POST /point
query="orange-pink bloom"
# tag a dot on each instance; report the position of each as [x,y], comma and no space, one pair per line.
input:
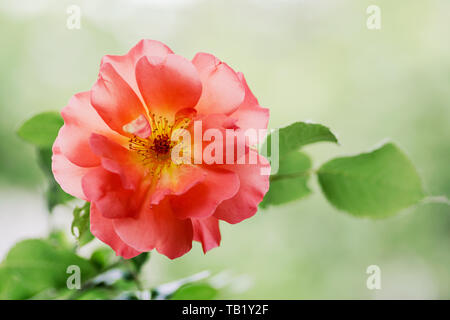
[114,151]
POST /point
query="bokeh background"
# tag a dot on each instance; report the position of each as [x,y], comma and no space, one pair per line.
[305,60]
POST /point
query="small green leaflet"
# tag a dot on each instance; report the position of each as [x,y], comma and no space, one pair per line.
[81,222]
[290,182]
[42,129]
[54,194]
[299,134]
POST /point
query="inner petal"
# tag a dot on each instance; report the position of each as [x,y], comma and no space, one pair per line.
[139,127]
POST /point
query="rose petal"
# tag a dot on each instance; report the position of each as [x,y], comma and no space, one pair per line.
[207,232]
[139,127]
[202,200]
[157,227]
[175,181]
[117,159]
[250,115]
[106,148]
[67,174]
[80,120]
[105,190]
[115,101]
[168,84]
[102,228]
[222,91]
[125,65]
[233,140]
[253,187]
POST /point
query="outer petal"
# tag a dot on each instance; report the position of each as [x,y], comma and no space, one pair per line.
[67,174]
[157,227]
[103,229]
[105,190]
[250,115]
[253,188]
[202,200]
[125,65]
[114,100]
[222,92]
[168,84]
[80,120]
[249,99]
[207,232]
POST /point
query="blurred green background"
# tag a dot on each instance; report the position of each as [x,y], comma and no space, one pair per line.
[305,60]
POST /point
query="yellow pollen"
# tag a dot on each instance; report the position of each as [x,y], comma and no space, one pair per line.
[155,150]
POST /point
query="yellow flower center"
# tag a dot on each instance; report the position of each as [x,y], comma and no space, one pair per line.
[155,150]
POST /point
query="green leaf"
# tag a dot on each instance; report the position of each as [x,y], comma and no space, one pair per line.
[11,287]
[299,134]
[290,182]
[81,222]
[34,265]
[44,156]
[54,194]
[42,129]
[195,291]
[374,184]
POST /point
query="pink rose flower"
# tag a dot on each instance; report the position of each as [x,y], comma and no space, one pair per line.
[115,148]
